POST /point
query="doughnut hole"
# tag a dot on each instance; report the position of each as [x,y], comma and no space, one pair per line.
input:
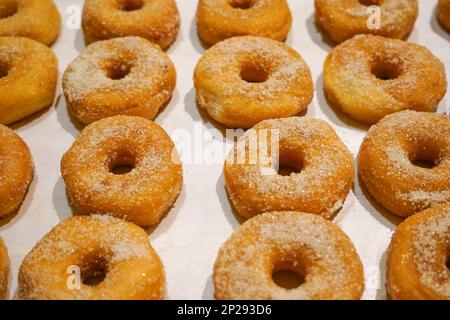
[117,70]
[383,69]
[130,5]
[94,269]
[289,163]
[122,162]
[242,4]
[425,156]
[368,3]
[8,9]
[253,72]
[4,69]
[288,275]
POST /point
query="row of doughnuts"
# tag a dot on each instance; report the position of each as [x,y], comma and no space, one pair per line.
[217,20]
[326,165]
[83,247]
[367,77]
[118,156]
[359,89]
[327,263]
[404,164]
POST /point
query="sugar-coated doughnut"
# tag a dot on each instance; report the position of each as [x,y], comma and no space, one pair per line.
[156,20]
[142,195]
[4,270]
[63,265]
[244,80]
[218,20]
[369,77]
[314,248]
[28,76]
[343,19]
[122,76]
[16,170]
[443,13]
[35,19]
[418,258]
[404,161]
[308,145]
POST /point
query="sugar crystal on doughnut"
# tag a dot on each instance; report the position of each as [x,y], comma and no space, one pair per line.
[131,268]
[119,76]
[387,161]
[426,245]
[321,158]
[306,243]
[418,257]
[244,80]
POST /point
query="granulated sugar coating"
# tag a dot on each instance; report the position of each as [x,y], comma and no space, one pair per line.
[343,19]
[155,20]
[369,77]
[38,20]
[16,170]
[218,20]
[388,161]
[304,243]
[312,147]
[142,195]
[128,76]
[244,80]
[28,77]
[419,256]
[93,245]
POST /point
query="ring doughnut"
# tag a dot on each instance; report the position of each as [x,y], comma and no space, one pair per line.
[315,249]
[307,145]
[443,13]
[244,80]
[16,170]
[64,264]
[34,19]
[343,19]
[4,270]
[404,161]
[143,192]
[369,77]
[218,20]
[28,75]
[129,76]
[155,20]
[418,258]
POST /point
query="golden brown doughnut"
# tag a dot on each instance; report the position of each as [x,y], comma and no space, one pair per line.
[418,259]
[443,13]
[218,20]
[314,248]
[62,265]
[308,145]
[404,161]
[28,75]
[128,76]
[35,19]
[343,19]
[369,77]
[16,170]
[156,20]
[142,195]
[4,270]
[244,80]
